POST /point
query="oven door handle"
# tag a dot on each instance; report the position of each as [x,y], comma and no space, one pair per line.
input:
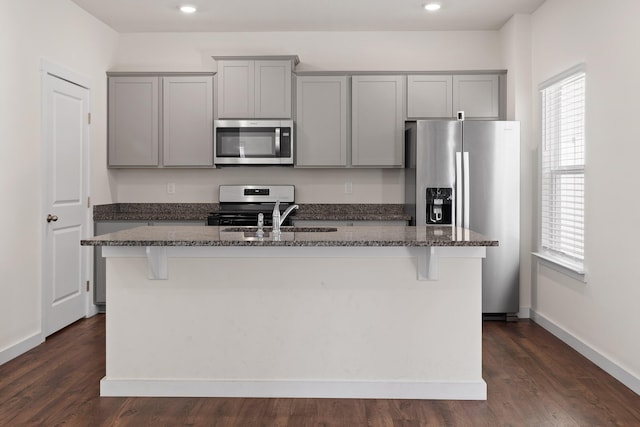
[277,142]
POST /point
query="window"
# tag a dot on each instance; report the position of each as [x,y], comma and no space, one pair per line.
[562,170]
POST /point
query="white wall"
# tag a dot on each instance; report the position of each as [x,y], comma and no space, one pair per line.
[312,186]
[601,315]
[63,34]
[359,51]
[363,51]
[516,53]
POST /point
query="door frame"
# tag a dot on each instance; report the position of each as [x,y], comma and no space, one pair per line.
[48,68]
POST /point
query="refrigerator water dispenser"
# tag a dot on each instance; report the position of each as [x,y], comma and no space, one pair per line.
[439,207]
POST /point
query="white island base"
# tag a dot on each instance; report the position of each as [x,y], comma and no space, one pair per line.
[334,322]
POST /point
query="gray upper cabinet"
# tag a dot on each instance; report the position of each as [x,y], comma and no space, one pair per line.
[441,96]
[236,93]
[160,121]
[377,120]
[187,120]
[273,89]
[429,96]
[133,121]
[321,120]
[477,95]
[254,89]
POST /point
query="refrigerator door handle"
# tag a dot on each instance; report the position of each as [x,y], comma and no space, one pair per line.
[458,195]
[467,190]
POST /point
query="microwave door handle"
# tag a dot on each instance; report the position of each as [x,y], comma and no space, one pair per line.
[277,142]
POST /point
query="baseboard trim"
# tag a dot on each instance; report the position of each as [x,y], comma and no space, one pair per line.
[603,362]
[524,313]
[295,389]
[22,347]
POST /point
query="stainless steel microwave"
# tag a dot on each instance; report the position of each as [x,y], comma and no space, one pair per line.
[253,142]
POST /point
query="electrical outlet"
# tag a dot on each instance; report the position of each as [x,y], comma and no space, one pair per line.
[171,188]
[348,187]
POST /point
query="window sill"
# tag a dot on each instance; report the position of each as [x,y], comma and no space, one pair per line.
[562,266]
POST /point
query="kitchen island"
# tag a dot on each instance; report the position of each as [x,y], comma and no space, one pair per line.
[362,312]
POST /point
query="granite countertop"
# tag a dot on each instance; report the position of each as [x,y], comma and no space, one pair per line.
[351,212]
[199,211]
[154,211]
[424,236]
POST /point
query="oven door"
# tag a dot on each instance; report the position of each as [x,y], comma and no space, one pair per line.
[238,221]
[244,142]
[243,220]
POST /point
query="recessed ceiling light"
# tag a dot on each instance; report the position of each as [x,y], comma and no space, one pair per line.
[187,9]
[432,7]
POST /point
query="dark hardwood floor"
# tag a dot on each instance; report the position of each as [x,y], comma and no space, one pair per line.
[533,380]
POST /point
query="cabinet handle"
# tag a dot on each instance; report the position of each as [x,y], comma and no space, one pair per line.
[51,218]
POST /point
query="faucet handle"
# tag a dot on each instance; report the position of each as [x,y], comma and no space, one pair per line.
[260,231]
[275,217]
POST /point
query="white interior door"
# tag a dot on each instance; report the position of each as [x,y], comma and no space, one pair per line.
[65,115]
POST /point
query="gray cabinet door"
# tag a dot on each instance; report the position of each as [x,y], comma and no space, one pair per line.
[321,119]
[254,89]
[477,95]
[377,121]
[236,89]
[429,96]
[133,129]
[187,121]
[272,89]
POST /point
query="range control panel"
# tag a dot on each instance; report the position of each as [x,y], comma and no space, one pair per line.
[256,193]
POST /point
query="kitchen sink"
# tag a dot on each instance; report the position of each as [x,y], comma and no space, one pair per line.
[268,230]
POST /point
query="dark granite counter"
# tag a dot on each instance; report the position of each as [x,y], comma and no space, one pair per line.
[351,212]
[292,236]
[153,211]
[199,211]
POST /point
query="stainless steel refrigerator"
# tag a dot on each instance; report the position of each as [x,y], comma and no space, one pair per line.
[467,174]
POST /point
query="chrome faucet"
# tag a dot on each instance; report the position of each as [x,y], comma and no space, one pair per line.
[260,231]
[279,219]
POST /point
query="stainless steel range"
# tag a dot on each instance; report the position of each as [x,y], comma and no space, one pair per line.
[241,204]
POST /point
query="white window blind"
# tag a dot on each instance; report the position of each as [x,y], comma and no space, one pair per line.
[562,170]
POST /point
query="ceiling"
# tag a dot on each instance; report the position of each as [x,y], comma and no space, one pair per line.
[304,15]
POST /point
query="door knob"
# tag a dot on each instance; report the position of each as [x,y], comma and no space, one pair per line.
[51,218]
